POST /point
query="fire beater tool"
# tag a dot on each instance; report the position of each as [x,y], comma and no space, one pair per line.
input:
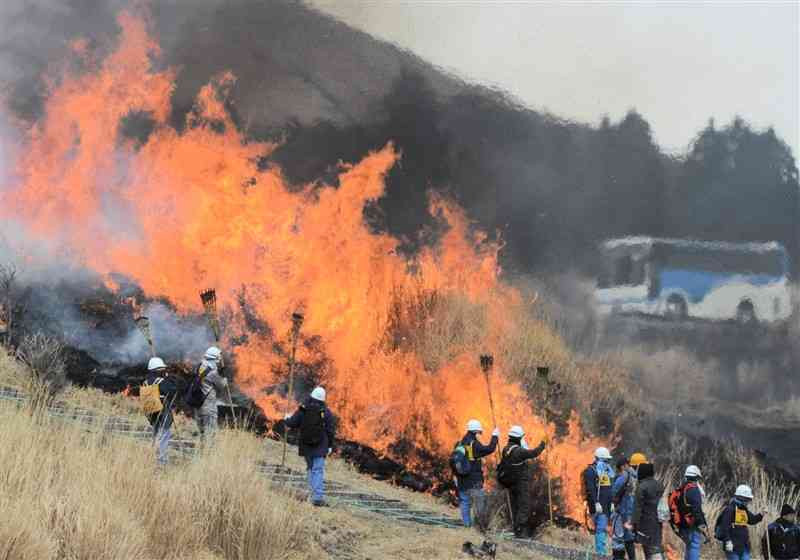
[143,324]
[209,300]
[297,322]
[544,373]
[487,363]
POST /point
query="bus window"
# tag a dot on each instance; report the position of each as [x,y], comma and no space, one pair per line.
[629,271]
[624,268]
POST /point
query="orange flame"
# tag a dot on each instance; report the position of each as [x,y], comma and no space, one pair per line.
[191,209]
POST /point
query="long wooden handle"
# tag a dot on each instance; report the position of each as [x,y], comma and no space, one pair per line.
[546,473]
[295,332]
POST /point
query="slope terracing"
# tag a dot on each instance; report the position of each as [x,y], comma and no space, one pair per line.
[343,492]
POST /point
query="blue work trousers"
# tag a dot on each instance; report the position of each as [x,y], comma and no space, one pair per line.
[693,539]
[315,467]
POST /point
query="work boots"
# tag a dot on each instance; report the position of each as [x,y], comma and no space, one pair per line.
[523,532]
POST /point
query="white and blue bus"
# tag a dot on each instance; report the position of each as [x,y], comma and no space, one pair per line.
[680,279]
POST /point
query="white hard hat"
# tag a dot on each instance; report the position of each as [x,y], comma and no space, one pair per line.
[744,491]
[213,353]
[156,363]
[474,426]
[693,471]
[318,394]
[602,453]
[516,431]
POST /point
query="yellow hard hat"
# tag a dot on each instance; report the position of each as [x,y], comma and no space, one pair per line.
[637,459]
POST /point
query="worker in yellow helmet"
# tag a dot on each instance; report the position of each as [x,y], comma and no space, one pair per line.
[638,459]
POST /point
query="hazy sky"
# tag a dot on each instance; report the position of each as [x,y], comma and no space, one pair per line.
[677,63]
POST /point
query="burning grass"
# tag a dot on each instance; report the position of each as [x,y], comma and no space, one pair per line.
[68,493]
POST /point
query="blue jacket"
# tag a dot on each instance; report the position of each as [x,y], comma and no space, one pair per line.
[734,523]
[598,480]
[329,432]
[623,492]
[474,479]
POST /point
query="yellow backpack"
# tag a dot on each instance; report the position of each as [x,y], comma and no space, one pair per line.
[150,398]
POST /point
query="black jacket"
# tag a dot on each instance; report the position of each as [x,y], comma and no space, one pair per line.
[474,479]
[784,541]
[517,457]
[314,406]
[734,525]
[168,390]
[649,492]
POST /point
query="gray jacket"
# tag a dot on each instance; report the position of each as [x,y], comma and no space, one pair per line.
[213,387]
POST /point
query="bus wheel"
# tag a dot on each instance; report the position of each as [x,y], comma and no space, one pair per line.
[677,309]
[746,313]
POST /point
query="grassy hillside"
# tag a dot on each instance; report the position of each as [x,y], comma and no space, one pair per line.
[69,493]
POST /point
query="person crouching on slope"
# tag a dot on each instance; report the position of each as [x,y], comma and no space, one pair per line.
[317,432]
[598,478]
[470,485]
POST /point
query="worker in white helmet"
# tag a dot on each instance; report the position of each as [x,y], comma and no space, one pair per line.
[513,473]
[212,384]
[687,515]
[470,485]
[317,426]
[598,480]
[732,527]
[160,415]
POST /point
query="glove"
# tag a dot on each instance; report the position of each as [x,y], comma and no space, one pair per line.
[598,508]
[496,433]
[728,546]
[612,508]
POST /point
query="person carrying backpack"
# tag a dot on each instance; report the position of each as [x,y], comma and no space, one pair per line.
[686,512]
[646,521]
[597,480]
[158,394]
[512,473]
[623,496]
[732,525]
[317,432]
[470,485]
[211,382]
[784,537]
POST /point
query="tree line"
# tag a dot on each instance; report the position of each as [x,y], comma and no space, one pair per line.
[553,188]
